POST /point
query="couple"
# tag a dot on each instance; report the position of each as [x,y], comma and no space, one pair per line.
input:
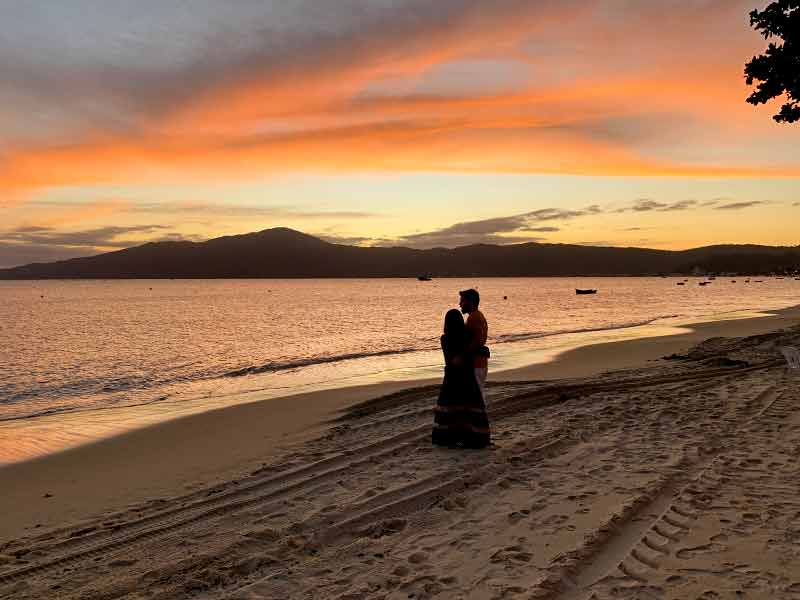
[460,414]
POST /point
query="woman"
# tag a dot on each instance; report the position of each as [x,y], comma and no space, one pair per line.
[460,414]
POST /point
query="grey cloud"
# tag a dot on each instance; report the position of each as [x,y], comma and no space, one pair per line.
[41,244]
[682,205]
[348,240]
[31,229]
[609,244]
[111,65]
[738,205]
[436,240]
[644,205]
[99,237]
[176,237]
[495,230]
[484,227]
[12,255]
[648,205]
[551,214]
[600,243]
[641,205]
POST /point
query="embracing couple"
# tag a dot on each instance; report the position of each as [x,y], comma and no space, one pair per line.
[460,415]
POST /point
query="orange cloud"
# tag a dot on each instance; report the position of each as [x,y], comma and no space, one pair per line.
[84,212]
[490,143]
[340,71]
[593,107]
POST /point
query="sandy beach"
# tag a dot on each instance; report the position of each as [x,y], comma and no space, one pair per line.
[615,474]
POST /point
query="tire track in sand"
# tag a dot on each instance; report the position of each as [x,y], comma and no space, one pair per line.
[173,519]
[631,546]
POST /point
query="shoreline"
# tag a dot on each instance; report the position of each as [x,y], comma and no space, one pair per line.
[638,352]
[681,276]
[197,450]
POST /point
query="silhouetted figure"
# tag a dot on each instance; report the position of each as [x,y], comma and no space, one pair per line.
[476,351]
[460,414]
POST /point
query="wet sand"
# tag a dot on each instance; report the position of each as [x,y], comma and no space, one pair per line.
[589,360]
[599,482]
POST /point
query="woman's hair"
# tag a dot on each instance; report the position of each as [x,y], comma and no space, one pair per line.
[454,323]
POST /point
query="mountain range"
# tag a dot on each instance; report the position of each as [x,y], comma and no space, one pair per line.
[282,252]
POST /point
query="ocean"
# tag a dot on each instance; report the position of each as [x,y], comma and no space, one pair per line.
[84,359]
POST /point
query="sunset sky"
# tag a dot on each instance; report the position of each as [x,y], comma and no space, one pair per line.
[387,122]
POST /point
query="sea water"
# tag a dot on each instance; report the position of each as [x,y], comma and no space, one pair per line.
[86,358]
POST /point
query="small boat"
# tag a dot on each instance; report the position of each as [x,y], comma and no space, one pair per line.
[584,292]
[425,278]
[733,281]
[703,282]
[680,283]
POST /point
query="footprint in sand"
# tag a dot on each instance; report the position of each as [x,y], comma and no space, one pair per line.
[555,520]
[452,504]
[121,563]
[751,517]
[424,580]
[401,571]
[688,553]
[385,528]
[266,534]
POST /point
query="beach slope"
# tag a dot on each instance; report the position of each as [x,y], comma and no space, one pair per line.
[675,481]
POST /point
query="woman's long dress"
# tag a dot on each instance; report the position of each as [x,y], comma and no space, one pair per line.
[460,414]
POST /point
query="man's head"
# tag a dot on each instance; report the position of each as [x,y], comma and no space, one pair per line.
[470,299]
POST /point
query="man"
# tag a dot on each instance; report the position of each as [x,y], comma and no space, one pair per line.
[478,329]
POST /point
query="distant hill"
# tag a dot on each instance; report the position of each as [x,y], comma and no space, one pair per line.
[287,253]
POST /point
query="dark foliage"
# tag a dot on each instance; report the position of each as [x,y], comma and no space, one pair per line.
[778,69]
